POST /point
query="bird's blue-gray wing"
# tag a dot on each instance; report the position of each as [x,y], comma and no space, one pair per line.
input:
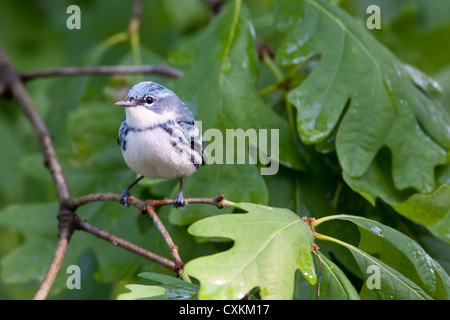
[123,132]
[193,135]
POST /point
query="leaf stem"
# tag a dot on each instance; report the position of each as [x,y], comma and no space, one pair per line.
[331,239]
[336,195]
[183,275]
[289,110]
[107,43]
[327,218]
[274,69]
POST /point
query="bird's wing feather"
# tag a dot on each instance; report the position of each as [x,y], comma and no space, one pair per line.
[192,133]
[123,131]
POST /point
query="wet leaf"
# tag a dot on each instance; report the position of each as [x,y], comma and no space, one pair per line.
[169,288]
[270,244]
[407,270]
[386,108]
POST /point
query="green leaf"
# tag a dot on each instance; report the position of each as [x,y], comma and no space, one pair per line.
[30,261]
[411,271]
[270,244]
[334,284]
[386,106]
[171,289]
[427,209]
[142,292]
[393,285]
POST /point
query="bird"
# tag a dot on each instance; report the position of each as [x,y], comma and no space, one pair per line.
[159,137]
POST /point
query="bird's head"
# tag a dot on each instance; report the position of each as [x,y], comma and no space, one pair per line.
[149,103]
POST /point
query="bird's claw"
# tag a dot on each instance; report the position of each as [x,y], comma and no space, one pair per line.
[179,201]
[124,197]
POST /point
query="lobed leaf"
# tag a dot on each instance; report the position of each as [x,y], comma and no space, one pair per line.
[407,270]
[170,289]
[388,105]
[270,244]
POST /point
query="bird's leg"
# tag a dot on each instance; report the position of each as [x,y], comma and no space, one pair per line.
[126,192]
[179,200]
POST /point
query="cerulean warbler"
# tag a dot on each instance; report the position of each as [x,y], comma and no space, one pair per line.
[158,137]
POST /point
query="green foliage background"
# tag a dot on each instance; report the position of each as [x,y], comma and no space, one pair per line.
[338,158]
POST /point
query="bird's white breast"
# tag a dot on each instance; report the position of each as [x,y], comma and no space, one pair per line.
[153,155]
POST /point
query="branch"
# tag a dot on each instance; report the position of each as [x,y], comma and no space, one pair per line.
[167,238]
[54,267]
[20,93]
[147,207]
[65,226]
[139,204]
[215,5]
[163,70]
[137,12]
[102,234]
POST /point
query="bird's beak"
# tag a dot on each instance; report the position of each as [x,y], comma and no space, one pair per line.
[125,103]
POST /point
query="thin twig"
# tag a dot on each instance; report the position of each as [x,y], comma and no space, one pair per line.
[217,201]
[139,204]
[147,207]
[102,234]
[215,5]
[51,161]
[65,226]
[163,70]
[137,10]
[54,267]
[167,238]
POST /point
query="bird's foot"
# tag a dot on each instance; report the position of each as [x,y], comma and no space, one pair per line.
[124,197]
[179,201]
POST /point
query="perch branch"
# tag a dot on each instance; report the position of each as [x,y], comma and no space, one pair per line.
[139,204]
[147,207]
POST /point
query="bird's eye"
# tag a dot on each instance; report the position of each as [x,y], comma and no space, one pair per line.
[149,99]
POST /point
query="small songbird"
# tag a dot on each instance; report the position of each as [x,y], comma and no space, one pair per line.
[158,137]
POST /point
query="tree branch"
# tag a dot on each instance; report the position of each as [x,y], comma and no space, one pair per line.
[51,161]
[215,5]
[102,234]
[163,70]
[167,238]
[54,267]
[65,226]
[73,204]
[147,207]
